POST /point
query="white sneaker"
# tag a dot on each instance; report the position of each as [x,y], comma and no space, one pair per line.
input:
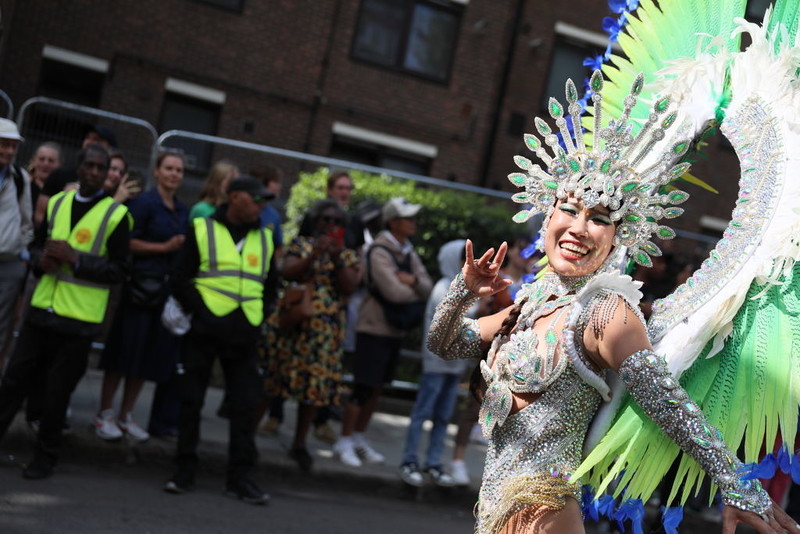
[458,470]
[440,478]
[410,474]
[134,431]
[365,450]
[105,427]
[345,449]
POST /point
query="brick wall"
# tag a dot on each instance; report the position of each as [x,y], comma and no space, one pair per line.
[286,70]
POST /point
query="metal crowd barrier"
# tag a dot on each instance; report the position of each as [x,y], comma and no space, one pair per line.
[7,105]
[43,119]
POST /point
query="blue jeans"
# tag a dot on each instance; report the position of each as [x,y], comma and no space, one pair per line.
[436,400]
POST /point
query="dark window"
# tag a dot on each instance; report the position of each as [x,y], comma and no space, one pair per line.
[71,83]
[232,5]
[516,124]
[567,62]
[184,113]
[416,36]
[44,122]
[358,151]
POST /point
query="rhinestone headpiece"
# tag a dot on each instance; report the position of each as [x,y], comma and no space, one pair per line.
[622,171]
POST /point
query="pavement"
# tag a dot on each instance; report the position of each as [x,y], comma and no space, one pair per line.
[386,433]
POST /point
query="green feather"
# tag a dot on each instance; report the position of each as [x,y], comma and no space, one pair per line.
[749,391]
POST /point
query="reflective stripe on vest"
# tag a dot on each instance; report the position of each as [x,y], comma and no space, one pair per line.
[62,292]
[227,278]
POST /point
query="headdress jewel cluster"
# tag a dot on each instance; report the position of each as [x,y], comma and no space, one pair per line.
[624,174]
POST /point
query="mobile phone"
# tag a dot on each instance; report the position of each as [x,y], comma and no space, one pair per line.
[337,234]
[135,176]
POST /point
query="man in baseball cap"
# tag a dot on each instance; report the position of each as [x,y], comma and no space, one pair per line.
[395,275]
[225,288]
[399,208]
[60,178]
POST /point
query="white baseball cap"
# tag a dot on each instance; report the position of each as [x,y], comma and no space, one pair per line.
[8,130]
[399,207]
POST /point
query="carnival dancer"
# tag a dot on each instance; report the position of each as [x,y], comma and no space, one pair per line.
[548,354]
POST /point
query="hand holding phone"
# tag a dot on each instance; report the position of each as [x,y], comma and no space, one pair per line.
[337,237]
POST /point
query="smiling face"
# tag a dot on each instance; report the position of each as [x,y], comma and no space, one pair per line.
[44,161]
[578,240]
[116,170]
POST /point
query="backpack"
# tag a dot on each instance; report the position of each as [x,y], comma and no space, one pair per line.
[405,315]
[19,182]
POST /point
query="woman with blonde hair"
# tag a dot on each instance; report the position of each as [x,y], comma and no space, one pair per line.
[213,192]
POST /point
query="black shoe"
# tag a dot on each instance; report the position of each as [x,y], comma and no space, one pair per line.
[302,457]
[181,482]
[38,469]
[246,491]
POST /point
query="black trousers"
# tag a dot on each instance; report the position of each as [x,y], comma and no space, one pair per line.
[243,387]
[56,361]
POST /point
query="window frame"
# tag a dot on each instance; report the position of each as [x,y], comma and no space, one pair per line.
[223,4]
[455,8]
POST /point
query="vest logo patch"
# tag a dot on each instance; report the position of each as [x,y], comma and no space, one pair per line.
[252,260]
[83,235]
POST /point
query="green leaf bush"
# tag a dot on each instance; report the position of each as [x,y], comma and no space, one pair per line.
[447,214]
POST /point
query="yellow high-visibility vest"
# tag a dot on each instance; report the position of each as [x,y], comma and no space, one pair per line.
[61,291]
[230,275]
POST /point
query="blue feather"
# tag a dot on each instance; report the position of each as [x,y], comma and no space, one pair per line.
[631,510]
[784,459]
[671,518]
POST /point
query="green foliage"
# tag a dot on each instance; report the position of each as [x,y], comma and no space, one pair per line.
[446,215]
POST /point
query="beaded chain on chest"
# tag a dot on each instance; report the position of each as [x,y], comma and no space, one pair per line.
[540,293]
[524,366]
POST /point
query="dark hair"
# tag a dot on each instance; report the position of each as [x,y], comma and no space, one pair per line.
[267,174]
[336,175]
[167,153]
[311,218]
[99,149]
[117,154]
[477,385]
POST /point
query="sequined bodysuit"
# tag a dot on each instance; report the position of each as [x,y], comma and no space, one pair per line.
[530,456]
[532,452]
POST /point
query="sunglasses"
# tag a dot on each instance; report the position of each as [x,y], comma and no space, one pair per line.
[258,199]
[327,219]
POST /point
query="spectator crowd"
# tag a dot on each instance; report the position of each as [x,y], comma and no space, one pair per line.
[87,255]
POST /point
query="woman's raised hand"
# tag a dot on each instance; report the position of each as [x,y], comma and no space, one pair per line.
[775,521]
[482,276]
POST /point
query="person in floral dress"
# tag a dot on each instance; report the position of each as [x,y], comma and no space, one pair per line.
[304,362]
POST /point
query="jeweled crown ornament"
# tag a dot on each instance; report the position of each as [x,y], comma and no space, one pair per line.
[622,171]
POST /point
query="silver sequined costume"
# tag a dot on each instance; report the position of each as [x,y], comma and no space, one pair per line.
[532,452]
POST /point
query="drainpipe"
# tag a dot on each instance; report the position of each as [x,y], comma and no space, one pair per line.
[497,114]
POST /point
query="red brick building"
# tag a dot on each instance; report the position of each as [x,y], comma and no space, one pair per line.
[443,88]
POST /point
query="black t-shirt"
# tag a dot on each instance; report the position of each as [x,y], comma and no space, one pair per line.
[58,179]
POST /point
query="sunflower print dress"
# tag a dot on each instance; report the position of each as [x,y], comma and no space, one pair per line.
[304,363]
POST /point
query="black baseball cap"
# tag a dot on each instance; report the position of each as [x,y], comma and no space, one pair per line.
[251,185]
[104,132]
